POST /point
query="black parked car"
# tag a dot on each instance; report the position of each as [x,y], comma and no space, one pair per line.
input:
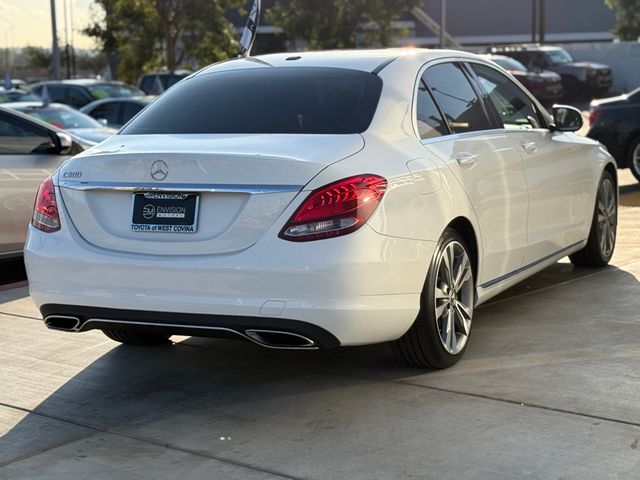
[80,92]
[579,79]
[615,122]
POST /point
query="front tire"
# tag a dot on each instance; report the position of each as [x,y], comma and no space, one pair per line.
[137,338]
[438,338]
[602,236]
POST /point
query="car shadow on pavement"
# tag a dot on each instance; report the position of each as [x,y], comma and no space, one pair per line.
[180,394]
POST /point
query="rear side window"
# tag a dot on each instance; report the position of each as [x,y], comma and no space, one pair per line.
[457,99]
[430,121]
[265,100]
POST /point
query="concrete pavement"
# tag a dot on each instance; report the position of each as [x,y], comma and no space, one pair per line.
[548,389]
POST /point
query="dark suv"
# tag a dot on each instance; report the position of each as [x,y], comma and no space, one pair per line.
[579,79]
[156,83]
[80,92]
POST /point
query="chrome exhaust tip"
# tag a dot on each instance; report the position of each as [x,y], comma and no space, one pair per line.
[279,339]
[62,322]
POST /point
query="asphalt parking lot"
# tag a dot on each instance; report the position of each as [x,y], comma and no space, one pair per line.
[548,389]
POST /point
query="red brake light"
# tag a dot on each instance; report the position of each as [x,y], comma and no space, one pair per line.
[593,116]
[45,210]
[335,209]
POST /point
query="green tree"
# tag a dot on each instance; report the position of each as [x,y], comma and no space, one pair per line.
[150,34]
[340,23]
[627,18]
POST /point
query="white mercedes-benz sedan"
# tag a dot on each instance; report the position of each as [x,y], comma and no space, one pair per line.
[318,200]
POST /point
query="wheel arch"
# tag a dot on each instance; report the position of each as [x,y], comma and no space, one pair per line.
[611,168]
[464,227]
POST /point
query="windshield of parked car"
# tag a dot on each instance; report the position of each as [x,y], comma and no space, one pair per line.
[559,57]
[61,117]
[112,90]
[265,100]
[510,64]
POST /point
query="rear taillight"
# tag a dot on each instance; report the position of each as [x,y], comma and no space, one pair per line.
[336,209]
[45,210]
[593,116]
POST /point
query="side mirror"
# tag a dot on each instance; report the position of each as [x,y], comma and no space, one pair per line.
[64,143]
[567,119]
[103,122]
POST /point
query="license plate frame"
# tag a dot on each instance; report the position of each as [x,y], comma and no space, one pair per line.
[164,212]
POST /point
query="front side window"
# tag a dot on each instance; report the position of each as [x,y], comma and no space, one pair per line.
[559,57]
[107,111]
[515,108]
[20,138]
[430,121]
[291,100]
[457,99]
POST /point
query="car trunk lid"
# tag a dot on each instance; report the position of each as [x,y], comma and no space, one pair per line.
[243,183]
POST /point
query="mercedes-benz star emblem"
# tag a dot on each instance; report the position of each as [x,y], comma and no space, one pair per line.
[159,170]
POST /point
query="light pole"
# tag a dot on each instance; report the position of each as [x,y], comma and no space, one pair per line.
[55,51]
[8,37]
[542,23]
[443,23]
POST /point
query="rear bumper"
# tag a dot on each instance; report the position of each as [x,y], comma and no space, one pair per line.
[294,333]
[359,289]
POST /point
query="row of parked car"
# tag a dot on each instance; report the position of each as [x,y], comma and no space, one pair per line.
[37,135]
[551,74]
[43,124]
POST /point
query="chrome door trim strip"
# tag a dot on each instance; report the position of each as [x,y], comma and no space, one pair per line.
[180,187]
[501,279]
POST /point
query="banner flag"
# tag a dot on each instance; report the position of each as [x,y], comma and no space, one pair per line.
[250,31]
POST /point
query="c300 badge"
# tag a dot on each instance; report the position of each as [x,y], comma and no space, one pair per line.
[159,170]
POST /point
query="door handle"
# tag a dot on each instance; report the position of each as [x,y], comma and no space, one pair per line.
[529,147]
[466,159]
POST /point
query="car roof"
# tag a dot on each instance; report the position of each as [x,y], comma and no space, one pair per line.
[525,48]
[83,82]
[179,73]
[35,105]
[137,98]
[365,60]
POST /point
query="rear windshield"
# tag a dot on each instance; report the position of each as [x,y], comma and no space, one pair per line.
[265,100]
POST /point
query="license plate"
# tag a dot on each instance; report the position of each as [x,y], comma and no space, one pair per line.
[168,212]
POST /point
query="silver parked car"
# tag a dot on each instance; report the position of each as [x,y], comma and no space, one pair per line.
[68,119]
[29,151]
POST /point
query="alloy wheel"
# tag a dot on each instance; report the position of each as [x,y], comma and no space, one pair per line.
[607,217]
[635,158]
[454,297]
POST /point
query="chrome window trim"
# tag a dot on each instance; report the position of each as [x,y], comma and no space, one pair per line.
[180,187]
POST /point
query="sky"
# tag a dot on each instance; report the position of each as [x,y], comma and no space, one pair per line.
[28,22]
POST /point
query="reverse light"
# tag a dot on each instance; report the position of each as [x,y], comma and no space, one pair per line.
[45,210]
[336,209]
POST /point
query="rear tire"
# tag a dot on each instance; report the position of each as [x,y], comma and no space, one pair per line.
[602,236]
[438,338]
[634,158]
[137,338]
